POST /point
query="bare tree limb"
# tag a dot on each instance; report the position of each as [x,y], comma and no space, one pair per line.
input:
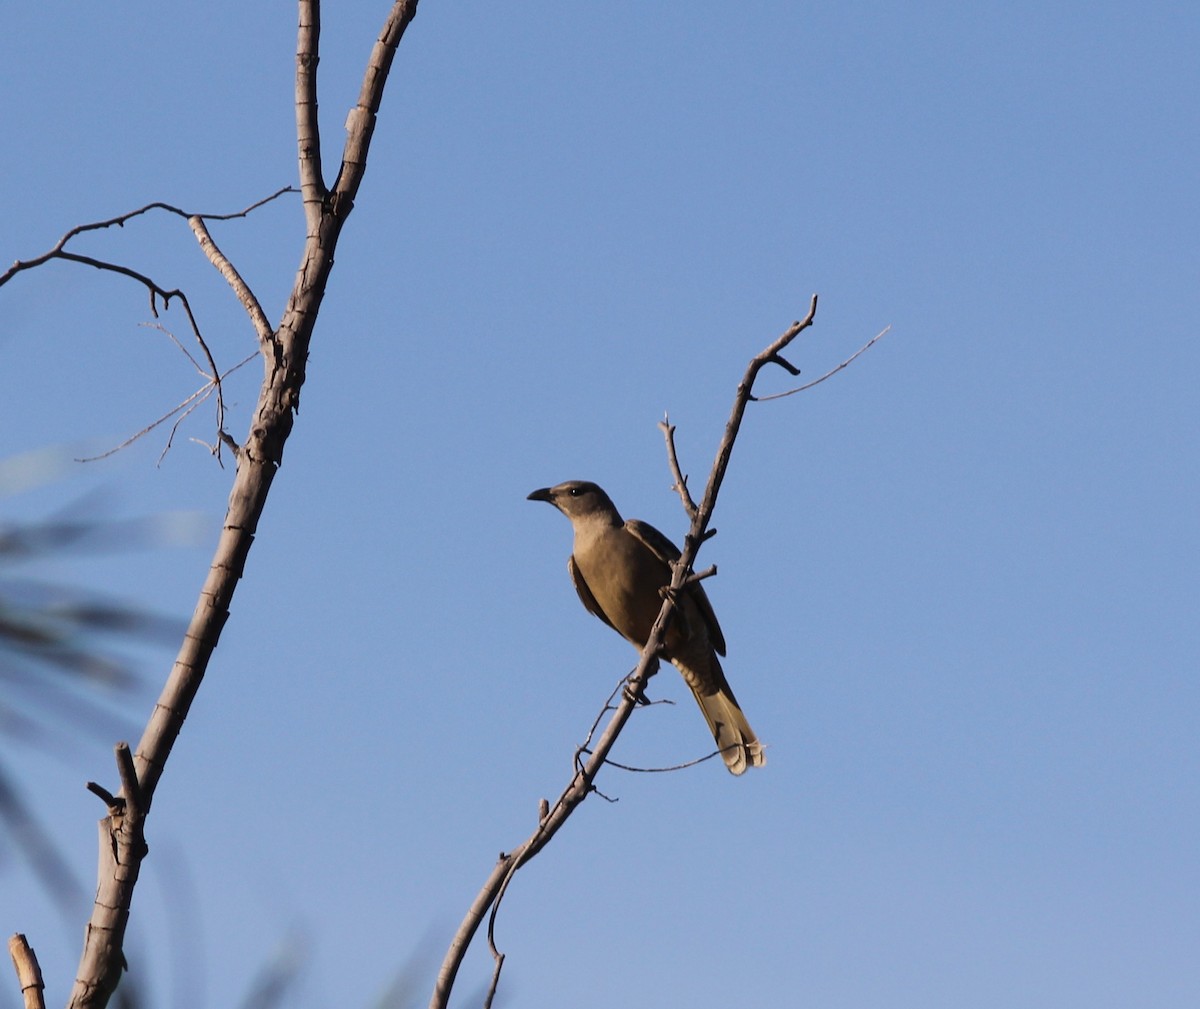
[29,974]
[121,220]
[308,132]
[158,292]
[360,123]
[285,354]
[582,782]
[234,279]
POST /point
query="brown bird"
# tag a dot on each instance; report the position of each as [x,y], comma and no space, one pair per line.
[619,569]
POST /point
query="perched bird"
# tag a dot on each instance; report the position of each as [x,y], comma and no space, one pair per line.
[619,569]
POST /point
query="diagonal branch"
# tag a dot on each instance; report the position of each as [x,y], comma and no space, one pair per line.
[582,783]
[360,123]
[680,485]
[227,270]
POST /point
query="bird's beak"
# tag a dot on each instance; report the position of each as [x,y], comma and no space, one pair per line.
[545,494]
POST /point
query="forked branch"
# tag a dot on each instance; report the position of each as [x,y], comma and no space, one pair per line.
[160,293]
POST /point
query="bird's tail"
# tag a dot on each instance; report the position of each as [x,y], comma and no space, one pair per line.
[735,739]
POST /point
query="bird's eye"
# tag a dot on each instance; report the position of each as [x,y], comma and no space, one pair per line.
[576,491]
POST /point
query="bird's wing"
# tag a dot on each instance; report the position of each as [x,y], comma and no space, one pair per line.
[585,594]
[668,553]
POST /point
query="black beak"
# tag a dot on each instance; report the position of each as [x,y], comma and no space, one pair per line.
[545,494]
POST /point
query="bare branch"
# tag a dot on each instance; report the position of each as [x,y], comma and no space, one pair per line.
[308,134]
[832,371]
[632,689]
[360,123]
[244,212]
[662,770]
[29,974]
[158,292]
[680,485]
[131,791]
[113,802]
[234,279]
[121,220]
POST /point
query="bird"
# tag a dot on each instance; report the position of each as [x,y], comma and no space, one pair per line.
[619,569]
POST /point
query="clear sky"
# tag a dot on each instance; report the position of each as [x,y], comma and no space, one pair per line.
[958,581]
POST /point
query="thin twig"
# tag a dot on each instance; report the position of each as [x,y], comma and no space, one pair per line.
[832,371]
[680,485]
[188,405]
[661,770]
[158,292]
[121,220]
[178,344]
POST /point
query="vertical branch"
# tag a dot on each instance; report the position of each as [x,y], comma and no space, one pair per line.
[29,974]
[285,354]
[308,134]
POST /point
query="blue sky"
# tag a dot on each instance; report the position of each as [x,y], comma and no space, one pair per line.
[958,581]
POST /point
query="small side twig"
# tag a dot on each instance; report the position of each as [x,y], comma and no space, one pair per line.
[187,406]
[113,802]
[662,770]
[680,485]
[119,222]
[29,974]
[832,371]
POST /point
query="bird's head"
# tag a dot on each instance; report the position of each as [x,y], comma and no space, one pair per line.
[579,500]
